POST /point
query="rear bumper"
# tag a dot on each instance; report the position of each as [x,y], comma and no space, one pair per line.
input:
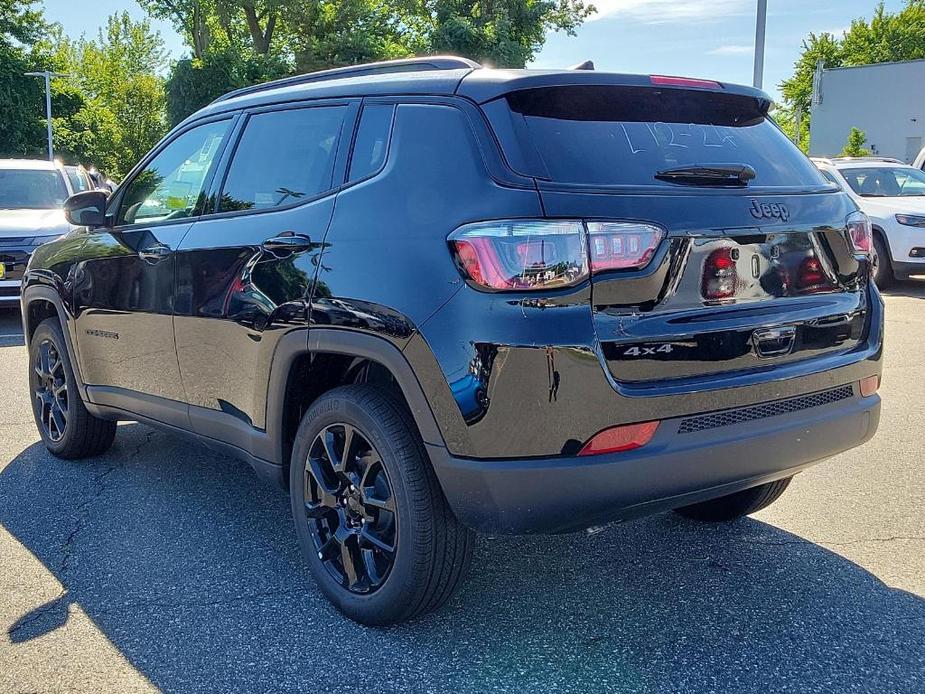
[906,269]
[681,465]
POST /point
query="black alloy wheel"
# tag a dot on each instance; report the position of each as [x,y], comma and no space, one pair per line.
[50,391]
[374,527]
[351,508]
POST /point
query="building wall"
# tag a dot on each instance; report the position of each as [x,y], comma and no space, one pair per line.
[886,101]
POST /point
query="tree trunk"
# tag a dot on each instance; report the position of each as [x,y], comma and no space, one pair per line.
[260,37]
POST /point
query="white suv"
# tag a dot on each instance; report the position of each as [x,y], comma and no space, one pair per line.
[893,196]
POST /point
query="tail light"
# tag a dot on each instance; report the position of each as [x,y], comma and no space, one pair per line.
[621,438]
[621,245]
[811,276]
[860,232]
[519,255]
[719,274]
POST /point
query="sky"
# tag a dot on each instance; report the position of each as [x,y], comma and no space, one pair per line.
[697,38]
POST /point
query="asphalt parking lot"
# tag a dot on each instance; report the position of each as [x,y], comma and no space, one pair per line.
[163,565]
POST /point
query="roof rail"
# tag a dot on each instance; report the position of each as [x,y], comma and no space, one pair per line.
[436,62]
[886,160]
[821,160]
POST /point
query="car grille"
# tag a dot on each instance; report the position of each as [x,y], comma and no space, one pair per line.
[15,260]
[727,418]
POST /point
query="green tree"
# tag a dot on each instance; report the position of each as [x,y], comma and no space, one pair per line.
[193,83]
[886,37]
[854,147]
[22,126]
[236,43]
[122,110]
[798,90]
[503,33]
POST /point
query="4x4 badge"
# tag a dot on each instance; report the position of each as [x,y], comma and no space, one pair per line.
[769,210]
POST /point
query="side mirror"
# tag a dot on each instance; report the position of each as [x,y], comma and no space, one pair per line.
[87,209]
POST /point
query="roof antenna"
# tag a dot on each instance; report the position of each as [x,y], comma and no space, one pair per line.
[586,65]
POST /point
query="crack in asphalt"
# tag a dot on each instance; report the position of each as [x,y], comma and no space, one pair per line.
[101,487]
[81,517]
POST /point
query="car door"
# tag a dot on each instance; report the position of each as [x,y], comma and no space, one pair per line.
[244,273]
[123,291]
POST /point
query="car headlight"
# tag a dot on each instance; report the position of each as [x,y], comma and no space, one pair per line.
[911,220]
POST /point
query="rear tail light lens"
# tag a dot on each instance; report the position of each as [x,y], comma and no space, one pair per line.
[621,438]
[523,254]
[860,232]
[811,276]
[622,245]
[720,276]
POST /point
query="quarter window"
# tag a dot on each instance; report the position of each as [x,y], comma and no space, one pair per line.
[372,141]
[283,157]
[170,187]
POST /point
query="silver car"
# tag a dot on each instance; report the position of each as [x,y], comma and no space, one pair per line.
[32,195]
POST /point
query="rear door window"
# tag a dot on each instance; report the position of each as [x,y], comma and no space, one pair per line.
[625,135]
[283,158]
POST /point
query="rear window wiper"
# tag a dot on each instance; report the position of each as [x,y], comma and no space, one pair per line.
[733,175]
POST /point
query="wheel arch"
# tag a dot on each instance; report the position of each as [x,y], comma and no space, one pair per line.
[39,303]
[302,371]
[878,231]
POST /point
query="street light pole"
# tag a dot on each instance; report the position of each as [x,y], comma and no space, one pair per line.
[47,74]
[760,24]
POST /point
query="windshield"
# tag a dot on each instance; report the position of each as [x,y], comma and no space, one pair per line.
[886,181]
[627,135]
[22,189]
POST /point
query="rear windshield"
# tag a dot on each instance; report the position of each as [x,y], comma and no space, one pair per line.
[618,135]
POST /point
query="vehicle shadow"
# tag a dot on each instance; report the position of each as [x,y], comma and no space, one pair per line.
[911,288]
[189,566]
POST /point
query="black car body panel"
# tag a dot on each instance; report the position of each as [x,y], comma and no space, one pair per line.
[203,319]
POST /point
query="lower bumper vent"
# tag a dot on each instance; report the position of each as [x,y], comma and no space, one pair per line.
[727,418]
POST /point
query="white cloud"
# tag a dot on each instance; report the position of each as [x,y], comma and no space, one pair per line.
[672,11]
[731,50]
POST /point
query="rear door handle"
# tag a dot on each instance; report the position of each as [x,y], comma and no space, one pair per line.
[154,253]
[287,241]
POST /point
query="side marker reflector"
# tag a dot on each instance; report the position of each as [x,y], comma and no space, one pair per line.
[869,385]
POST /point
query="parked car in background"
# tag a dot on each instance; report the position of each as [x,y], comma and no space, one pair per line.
[427,297]
[919,161]
[100,181]
[892,194]
[32,195]
[78,178]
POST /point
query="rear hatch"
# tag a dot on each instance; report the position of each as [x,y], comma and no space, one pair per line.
[756,267]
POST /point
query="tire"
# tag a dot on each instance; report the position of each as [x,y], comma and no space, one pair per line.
[334,521]
[883,267]
[73,432]
[732,506]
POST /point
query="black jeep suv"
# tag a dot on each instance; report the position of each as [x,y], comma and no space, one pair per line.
[429,298]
